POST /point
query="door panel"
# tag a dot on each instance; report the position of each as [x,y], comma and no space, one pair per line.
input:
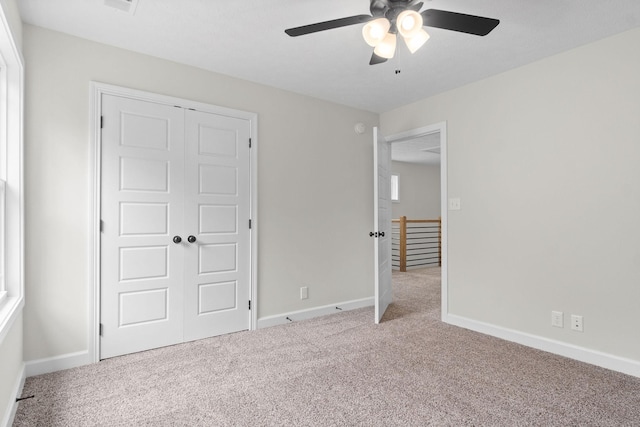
[143,263]
[217,296]
[138,219]
[143,307]
[144,174]
[218,180]
[141,209]
[382,220]
[217,204]
[215,219]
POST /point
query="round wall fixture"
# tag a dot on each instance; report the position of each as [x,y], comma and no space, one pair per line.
[359,128]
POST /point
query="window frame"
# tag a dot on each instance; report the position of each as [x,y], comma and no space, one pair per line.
[395,188]
[11,172]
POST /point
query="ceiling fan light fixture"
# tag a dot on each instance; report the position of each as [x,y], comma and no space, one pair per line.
[387,47]
[414,43]
[374,31]
[409,23]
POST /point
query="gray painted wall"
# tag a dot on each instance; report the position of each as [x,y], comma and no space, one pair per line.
[419,191]
[315,184]
[545,161]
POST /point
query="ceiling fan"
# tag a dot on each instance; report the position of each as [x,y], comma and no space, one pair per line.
[392,17]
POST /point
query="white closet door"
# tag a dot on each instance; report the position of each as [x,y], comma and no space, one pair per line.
[142,210]
[217,213]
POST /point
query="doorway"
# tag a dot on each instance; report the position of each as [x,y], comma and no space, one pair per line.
[424,148]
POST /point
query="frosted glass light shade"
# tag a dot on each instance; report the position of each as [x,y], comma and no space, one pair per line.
[414,43]
[375,31]
[409,23]
[387,47]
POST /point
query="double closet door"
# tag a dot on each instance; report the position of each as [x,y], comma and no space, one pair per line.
[175,236]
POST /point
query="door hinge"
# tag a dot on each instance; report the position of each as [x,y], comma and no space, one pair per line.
[249,224]
[249,142]
[101,122]
[101,329]
[249,304]
[101,226]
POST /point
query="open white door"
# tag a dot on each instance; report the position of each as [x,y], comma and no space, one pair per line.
[382,220]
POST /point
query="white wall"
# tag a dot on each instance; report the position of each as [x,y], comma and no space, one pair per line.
[419,190]
[545,161]
[315,184]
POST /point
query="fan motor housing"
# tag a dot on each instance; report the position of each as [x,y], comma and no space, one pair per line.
[390,9]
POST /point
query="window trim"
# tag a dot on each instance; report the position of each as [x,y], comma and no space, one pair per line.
[11,137]
[3,212]
[395,188]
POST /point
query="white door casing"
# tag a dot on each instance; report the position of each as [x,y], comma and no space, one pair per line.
[162,180]
[382,220]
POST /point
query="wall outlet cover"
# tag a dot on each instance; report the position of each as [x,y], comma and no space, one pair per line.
[576,323]
[557,319]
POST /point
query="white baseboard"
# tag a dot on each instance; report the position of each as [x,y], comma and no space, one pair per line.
[593,357]
[12,406]
[58,363]
[294,316]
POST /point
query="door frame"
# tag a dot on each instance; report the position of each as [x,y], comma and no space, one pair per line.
[97,90]
[440,127]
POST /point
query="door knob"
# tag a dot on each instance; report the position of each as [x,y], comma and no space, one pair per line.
[191,239]
[381,234]
[177,239]
[372,234]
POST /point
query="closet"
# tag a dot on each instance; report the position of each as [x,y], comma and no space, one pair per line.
[175,243]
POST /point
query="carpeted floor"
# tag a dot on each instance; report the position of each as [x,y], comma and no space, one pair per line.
[340,370]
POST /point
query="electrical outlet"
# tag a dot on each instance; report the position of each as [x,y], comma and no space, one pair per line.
[304,292]
[576,322]
[557,319]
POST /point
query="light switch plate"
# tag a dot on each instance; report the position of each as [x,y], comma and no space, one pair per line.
[454,204]
[557,319]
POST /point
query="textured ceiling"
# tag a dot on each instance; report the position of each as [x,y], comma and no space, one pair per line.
[245,39]
[424,150]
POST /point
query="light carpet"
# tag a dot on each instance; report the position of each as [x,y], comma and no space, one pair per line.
[340,370]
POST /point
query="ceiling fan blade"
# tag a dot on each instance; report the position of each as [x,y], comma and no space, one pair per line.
[328,25]
[375,59]
[416,6]
[470,24]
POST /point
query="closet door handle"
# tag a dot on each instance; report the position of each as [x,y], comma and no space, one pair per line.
[191,239]
[177,239]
